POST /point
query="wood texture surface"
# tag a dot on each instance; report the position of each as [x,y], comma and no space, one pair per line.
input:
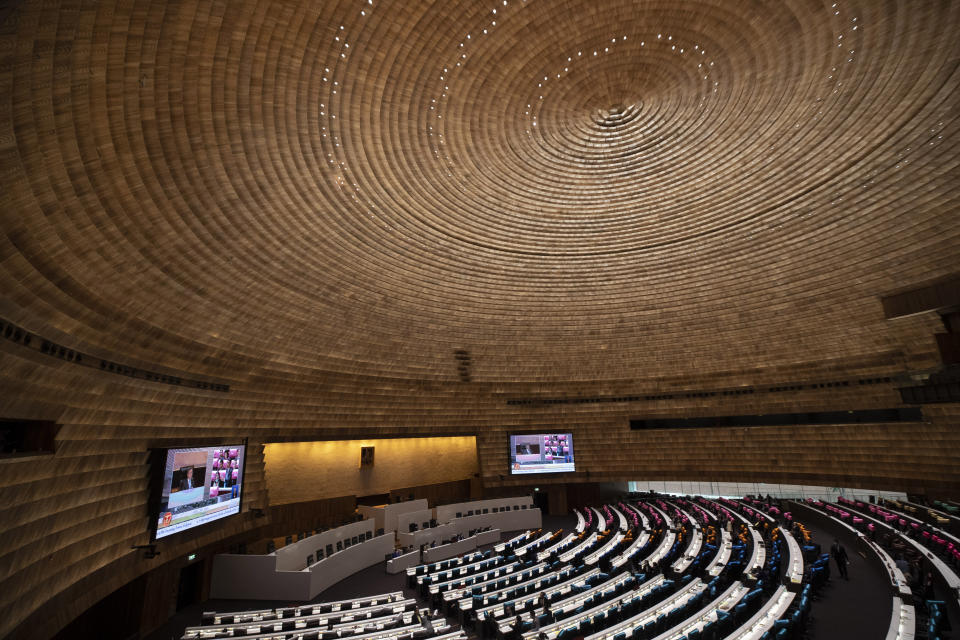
[389,218]
[303,471]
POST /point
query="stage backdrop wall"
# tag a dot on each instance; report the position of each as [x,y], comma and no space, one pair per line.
[299,471]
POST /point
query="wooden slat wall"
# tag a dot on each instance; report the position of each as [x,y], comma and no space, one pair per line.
[77,514]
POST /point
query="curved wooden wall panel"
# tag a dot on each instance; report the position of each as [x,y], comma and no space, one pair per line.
[304,471]
[388,219]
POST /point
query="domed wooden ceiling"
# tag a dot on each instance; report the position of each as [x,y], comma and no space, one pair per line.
[567,190]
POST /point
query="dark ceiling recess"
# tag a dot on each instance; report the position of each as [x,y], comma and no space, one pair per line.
[25,437]
[941,294]
[29,340]
[863,416]
[702,393]
[942,386]
[462,357]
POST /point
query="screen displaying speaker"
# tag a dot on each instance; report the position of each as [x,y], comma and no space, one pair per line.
[541,453]
[200,485]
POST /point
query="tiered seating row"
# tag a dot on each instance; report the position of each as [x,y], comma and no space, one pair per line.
[656,569]
[327,608]
[380,618]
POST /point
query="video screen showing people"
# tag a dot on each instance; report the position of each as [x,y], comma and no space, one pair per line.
[200,485]
[541,453]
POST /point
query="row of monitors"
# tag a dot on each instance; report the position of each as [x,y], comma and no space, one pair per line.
[341,545]
[426,525]
[414,526]
[478,512]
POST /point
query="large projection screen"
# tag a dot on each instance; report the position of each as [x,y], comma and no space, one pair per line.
[541,453]
[200,485]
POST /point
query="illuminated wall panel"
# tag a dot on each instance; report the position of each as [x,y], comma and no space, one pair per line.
[300,471]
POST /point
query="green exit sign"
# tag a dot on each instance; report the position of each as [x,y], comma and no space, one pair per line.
[191,557]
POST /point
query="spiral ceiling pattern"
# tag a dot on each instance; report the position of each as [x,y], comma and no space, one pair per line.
[374,218]
[366,186]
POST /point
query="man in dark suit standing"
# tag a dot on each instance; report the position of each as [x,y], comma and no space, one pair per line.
[840,556]
[187,483]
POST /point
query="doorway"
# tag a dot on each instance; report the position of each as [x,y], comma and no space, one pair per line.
[190,586]
[541,500]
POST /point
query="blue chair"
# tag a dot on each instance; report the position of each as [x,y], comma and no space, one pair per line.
[708,629]
[740,611]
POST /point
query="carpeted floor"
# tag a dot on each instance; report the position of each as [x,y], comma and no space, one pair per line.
[858,609]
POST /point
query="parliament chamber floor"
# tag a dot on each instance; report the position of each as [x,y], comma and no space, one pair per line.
[645,567]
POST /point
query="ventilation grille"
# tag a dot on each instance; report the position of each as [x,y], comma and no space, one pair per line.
[23,337]
[462,356]
[861,416]
[681,394]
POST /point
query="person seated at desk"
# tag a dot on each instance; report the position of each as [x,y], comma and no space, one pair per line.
[903,565]
[517,633]
[425,622]
[765,575]
[234,473]
[187,483]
